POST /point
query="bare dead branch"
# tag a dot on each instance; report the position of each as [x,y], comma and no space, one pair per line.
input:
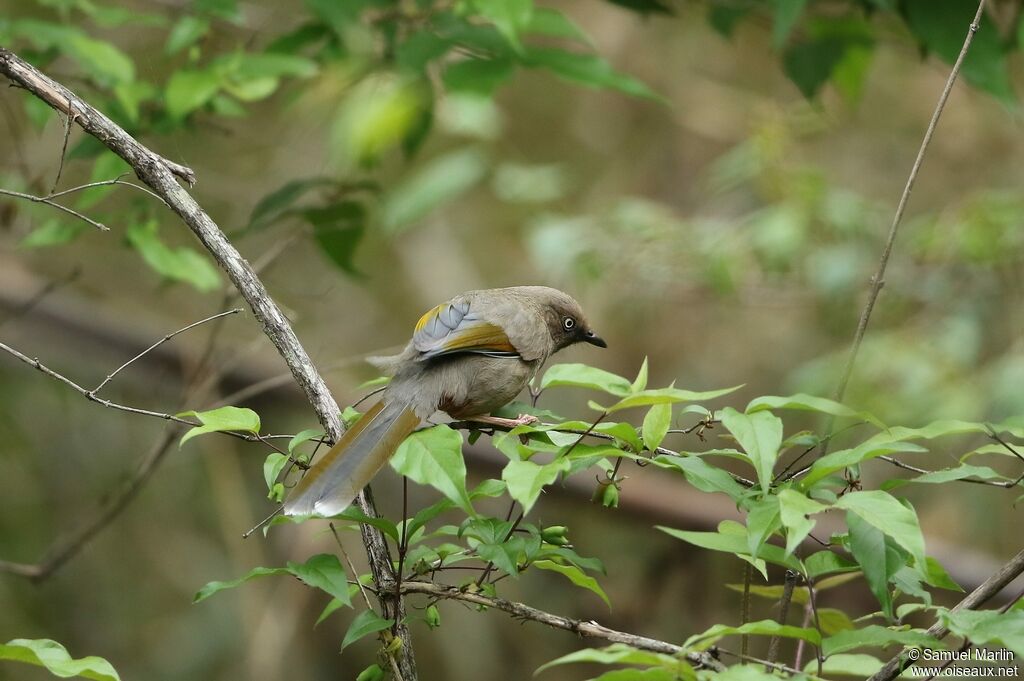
[990,588]
[589,629]
[160,175]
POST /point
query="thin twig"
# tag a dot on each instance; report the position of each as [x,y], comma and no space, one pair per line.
[157,344]
[63,151]
[589,629]
[107,183]
[50,202]
[878,279]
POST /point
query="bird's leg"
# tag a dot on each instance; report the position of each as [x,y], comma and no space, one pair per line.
[521,420]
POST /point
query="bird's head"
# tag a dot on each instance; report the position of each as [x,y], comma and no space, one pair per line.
[565,319]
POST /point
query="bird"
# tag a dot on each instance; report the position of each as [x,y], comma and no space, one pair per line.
[467,357]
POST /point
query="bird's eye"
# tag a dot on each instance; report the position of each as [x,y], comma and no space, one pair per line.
[568,323]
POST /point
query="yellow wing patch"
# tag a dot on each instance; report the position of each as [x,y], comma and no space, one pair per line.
[428,315]
[482,336]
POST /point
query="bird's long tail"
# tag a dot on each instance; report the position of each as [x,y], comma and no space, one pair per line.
[334,481]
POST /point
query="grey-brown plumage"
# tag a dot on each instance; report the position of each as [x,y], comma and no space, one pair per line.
[467,357]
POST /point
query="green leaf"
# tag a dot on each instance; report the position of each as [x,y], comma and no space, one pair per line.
[656,425]
[510,17]
[786,15]
[365,623]
[576,576]
[324,571]
[188,30]
[99,59]
[504,554]
[878,559]
[760,435]
[989,627]
[178,264]
[375,116]
[222,420]
[372,673]
[617,653]
[272,467]
[53,232]
[947,475]
[213,587]
[583,376]
[941,25]
[551,22]
[860,665]
[826,563]
[338,229]
[702,475]
[434,457]
[761,628]
[806,402]
[644,6]
[873,636]
[844,458]
[525,480]
[668,395]
[355,515]
[280,202]
[795,510]
[190,89]
[591,70]
[936,575]
[832,621]
[640,382]
[886,513]
[440,180]
[762,521]
[304,436]
[732,543]
[478,76]
[54,657]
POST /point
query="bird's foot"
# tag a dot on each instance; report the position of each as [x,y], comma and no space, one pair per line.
[521,420]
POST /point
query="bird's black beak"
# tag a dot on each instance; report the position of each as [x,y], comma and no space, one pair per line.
[594,339]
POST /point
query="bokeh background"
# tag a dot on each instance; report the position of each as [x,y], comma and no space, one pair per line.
[725,231]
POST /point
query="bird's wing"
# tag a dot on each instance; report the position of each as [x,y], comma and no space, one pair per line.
[453,327]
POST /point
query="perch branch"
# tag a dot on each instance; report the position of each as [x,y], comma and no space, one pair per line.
[161,175]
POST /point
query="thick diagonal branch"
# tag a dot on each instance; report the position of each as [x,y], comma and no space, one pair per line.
[160,175]
[988,590]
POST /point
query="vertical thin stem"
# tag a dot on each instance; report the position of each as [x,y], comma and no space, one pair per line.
[878,279]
